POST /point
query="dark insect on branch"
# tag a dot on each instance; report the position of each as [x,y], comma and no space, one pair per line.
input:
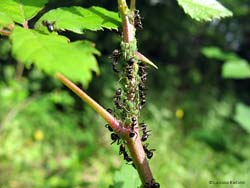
[115,57]
[50,25]
[137,20]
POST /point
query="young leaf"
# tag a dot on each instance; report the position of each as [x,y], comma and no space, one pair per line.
[78,19]
[204,10]
[236,69]
[54,53]
[21,10]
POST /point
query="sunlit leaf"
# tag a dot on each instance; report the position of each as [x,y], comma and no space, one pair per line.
[78,19]
[54,53]
[236,69]
[204,10]
[242,116]
[217,53]
[21,10]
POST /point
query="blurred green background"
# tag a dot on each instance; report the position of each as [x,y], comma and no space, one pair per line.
[198,106]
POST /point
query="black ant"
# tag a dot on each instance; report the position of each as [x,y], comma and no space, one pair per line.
[129,71]
[115,138]
[126,157]
[145,132]
[50,25]
[149,152]
[115,56]
[137,20]
[134,123]
[153,184]
[122,149]
[131,61]
[109,128]
[142,98]
[141,86]
[117,98]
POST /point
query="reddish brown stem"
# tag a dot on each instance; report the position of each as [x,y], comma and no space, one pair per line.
[113,122]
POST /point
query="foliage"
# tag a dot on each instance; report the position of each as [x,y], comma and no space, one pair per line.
[234,66]
[50,139]
[204,10]
[52,52]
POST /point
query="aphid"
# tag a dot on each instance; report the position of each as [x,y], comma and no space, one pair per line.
[49,25]
[115,57]
[115,138]
[149,152]
[109,128]
[137,20]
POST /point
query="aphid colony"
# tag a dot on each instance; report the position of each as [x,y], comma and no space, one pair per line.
[134,91]
[129,100]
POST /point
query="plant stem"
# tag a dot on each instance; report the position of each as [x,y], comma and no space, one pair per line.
[134,144]
[113,122]
[132,5]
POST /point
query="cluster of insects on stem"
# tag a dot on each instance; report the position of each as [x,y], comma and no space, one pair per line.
[130,98]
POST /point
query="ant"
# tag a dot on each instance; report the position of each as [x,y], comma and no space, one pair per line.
[50,25]
[123,151]
[137,20]
[109,128]
[149,152]
[118,98]
[141,86]
[115,138]
[134,123]
[115,56]
[126,157]
[142,98]
[131,61]
[145,132]
[129,71]
[153,184]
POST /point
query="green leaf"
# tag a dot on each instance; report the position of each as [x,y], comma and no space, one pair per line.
[126,177]
[242,116]
[78,19]
[21,10]
[204,10]
[54,53]
[5,21]
[217,53]
[238,69]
